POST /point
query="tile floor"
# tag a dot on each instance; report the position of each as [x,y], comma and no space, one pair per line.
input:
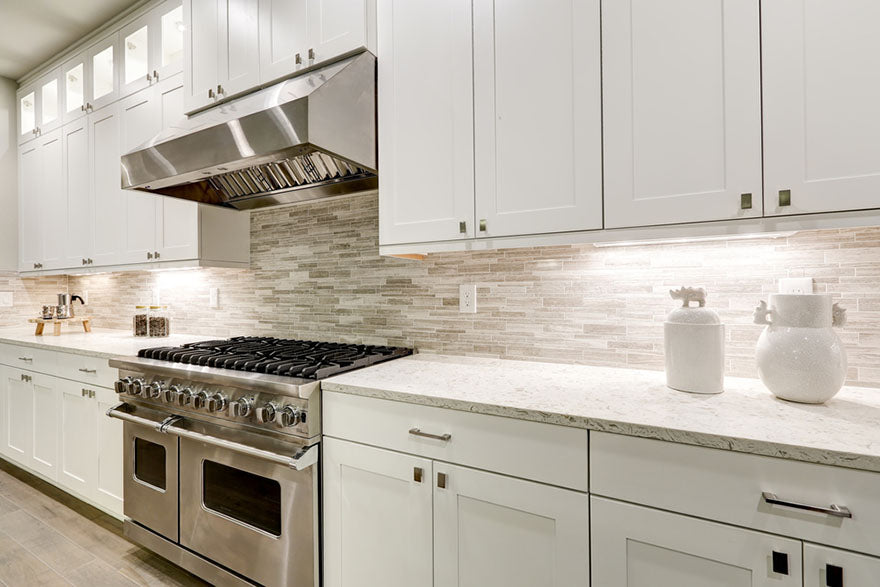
[48,537]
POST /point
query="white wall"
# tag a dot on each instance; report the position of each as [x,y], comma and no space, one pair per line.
[8,177]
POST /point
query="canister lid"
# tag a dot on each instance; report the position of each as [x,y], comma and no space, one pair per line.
[688,314]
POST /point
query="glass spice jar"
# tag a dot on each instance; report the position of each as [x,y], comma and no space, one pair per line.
[159,321]
[139,323]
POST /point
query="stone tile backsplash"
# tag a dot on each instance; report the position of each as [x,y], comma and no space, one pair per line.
[316,273]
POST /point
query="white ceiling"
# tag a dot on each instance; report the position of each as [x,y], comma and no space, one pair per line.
[32,31]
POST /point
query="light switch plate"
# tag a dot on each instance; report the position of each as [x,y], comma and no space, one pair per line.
[5,299]
[796,285]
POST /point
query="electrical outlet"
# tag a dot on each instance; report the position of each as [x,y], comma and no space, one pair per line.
[5,299]
[796,285]
[467,298]
[214,294]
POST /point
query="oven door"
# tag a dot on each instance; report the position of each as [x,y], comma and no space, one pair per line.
[151,474]
[250,513]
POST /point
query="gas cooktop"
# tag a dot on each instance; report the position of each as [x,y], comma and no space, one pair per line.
[277,356]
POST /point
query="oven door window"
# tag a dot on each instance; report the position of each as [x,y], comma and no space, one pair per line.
[247,498]
[149,463]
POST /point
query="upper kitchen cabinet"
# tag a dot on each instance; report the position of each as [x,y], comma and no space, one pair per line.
[76,85]
[152,47]
[682,111]
[537,116]
[339,27]
[821,91]
[26,98]
[103,59]
[426,121]
[39,106]
[284,37]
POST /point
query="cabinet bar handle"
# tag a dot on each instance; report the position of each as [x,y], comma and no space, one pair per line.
[26,359]
[88,370]
[418,472]
[312,54]
[298,58]
[441,480]
[443,437]
[838,511]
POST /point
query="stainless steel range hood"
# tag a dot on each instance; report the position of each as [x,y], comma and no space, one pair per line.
[309,137]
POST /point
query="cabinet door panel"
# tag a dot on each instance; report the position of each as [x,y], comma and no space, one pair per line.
[633,546]
[167,44]
[426,148]
[239,48]
[20,417]
[496,531]
[53,206]
[108,198]
[201,47]
[75,81]
[377,517]
[110,446]
[336,27]
[46,404]
[682,110]
[49,96]
[538,143]
[821,90]
[104,59]
[30,224]
[80,232]
[829,567]
[78,441]
[284,34]
[137,48]
[27,114]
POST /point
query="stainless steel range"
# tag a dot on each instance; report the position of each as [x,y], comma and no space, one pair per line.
[222,451]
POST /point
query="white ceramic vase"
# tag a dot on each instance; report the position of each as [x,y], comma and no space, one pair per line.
[800,358]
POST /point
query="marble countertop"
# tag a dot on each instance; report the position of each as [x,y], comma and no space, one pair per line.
[100,342]
[746,417]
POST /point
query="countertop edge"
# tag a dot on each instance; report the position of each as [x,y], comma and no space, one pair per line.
[735,444]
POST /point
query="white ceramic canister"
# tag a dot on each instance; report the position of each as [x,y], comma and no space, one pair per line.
[800,358]
[693,339]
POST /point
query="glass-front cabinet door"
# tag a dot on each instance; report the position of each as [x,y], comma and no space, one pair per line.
[152,47]
[27,114]
[104,86]
[136,40]
[75,84]
[49,97]
[168,56]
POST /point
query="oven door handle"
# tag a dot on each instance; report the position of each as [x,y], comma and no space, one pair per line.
[303,459]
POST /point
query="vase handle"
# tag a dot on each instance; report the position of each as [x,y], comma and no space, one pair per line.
[838,315]
[763,314]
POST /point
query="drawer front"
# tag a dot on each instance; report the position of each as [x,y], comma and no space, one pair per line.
[93,370]
[728,487]
[557,455]
[829,567]
[31,359]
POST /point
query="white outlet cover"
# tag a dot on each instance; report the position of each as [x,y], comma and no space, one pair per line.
[796,285]
[467,298]
[5,299]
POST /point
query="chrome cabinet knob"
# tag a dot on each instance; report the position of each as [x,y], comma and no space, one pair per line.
[136,387]
[266,413]
[199,399]
[216,402]
[243,407]
[288,416]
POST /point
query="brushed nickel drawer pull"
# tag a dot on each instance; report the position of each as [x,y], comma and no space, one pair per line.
[26,359]
[443,437]
[88,370]
[838,511]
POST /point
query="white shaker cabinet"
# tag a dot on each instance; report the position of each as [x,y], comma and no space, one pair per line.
[41,189]
[31,420]
[497,531]
[426,141]
[821,90]
[337,27]
[79,219]
[682,111]
[78,438]
[30,227]
[76,83]
[152,47]
[633,546]
[829,567]
[201,47]
[284,37]
[104,79]
[537,116]
[39,106]
[377,517]
[108,198]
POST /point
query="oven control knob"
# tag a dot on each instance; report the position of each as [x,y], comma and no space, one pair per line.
[288,416]
[184,397]
[169,395]
[217,402]
[242,407]
[154,390]
[123,385]
[199,399]
[137,386]
[266,413]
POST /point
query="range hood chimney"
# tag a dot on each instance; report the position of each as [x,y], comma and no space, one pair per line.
[306,138]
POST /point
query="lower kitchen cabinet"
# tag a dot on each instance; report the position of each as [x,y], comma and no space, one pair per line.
[493,530]
[392,519]
[377,517]
[634,546]
[829,567]
[56,428]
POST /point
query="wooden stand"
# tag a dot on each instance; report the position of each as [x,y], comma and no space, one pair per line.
[56,323]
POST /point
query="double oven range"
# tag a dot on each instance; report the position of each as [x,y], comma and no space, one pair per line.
[222,454]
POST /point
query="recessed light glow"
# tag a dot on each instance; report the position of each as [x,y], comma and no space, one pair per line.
[695,239]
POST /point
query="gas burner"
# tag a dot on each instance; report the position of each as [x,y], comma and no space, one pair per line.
[277,356]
